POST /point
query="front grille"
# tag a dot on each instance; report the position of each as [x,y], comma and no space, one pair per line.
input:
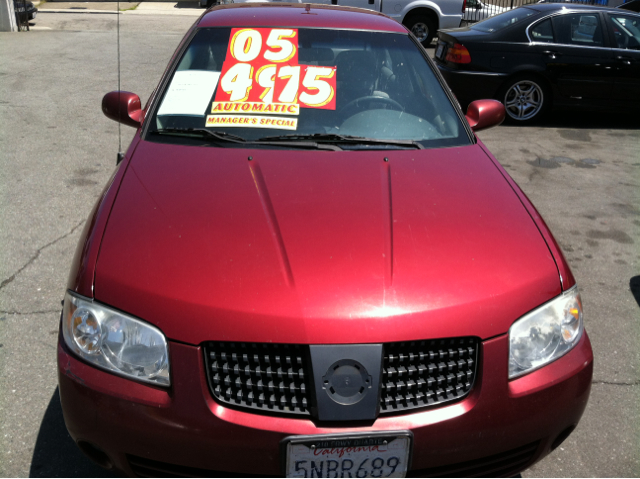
[425,373]
[276,378]
[269,377]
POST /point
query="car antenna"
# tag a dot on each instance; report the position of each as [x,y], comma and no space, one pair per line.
[120,155]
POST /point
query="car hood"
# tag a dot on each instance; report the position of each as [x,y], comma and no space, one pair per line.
[297,246]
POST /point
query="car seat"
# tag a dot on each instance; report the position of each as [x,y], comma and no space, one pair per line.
[355,75]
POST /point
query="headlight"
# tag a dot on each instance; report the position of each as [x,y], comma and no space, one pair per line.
[114,341]
[545,334]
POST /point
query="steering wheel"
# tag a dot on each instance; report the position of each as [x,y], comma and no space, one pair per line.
[360,104]
[622,40]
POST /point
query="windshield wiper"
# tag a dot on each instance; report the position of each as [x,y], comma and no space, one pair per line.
[202,132]
[333,138]
[231,138]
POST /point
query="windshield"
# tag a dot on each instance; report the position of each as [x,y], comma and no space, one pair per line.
[511,17]
[288,85]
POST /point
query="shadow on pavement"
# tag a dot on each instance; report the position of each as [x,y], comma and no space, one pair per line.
[589,119]
[55,454]
[634,286]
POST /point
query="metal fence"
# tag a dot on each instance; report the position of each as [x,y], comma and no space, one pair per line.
[22,13]
[480,9]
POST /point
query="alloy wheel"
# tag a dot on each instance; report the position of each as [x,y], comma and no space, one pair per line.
[421,31]
[524,100]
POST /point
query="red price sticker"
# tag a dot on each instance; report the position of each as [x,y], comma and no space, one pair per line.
[261,66]
[264,45]
[318,87]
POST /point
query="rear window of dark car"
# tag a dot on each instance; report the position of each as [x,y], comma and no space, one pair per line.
[504,20]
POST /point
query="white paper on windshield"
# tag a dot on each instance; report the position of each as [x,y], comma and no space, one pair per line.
[189,93]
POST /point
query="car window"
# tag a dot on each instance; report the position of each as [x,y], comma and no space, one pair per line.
[504,20]
[626,30]
[578,29]
[261,82]
[542,32]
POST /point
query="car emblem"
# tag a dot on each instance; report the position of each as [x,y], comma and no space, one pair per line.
[346,381]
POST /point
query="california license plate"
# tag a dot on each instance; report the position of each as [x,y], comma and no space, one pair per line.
[384,454]
[439,50]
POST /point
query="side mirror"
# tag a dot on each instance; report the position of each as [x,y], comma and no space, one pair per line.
[482,114]
[123,107]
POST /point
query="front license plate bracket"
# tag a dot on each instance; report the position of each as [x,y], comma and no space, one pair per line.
[370,454]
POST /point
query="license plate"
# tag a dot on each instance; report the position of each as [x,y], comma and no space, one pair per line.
[384,454]
[439,50]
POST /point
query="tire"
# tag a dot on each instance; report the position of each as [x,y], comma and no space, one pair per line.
[525,98]
[423,27]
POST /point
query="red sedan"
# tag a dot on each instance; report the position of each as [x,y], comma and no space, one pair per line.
[307,264]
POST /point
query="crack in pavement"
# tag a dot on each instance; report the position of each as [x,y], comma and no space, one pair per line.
[10,279]
[44,311]
[612,383]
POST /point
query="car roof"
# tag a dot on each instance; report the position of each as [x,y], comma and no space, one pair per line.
[298,15]
[554,6]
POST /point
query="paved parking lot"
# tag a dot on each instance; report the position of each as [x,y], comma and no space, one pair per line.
[57,151]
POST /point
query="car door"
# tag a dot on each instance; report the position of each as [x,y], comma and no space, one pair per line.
[625,33]
[577,59]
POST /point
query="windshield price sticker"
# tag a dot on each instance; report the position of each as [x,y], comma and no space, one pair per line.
[261,68]
[349,457]
[250,121]
[220,107]
[263,45]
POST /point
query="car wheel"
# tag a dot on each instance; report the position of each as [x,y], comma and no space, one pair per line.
[423,27]
[525,99]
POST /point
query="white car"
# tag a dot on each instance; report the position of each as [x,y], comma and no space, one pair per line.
[423,17]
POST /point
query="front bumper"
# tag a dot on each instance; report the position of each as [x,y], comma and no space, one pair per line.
[184,428]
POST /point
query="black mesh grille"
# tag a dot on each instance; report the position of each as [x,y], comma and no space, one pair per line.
[425,373]
[268,377]
[276,378]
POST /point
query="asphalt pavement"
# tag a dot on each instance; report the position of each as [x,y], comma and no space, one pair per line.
[57,151]
[186,8]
